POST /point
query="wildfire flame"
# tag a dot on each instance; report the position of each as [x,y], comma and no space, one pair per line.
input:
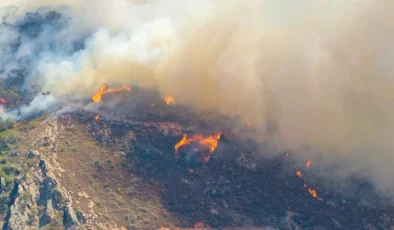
[210,142]
[170,100]
[104,89]
[314,193]
[249,125]
[310,190]
[16,125]
[3,100]
[299,174]
[308,164]
[97,117]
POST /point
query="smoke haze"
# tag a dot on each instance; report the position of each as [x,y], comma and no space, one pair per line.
[321,70]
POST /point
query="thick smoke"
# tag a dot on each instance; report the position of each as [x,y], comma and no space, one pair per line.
[321,70]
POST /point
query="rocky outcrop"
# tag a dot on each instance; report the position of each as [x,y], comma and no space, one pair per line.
[2,185]
[70,218]
[23,210]
[38,200]
[49,214]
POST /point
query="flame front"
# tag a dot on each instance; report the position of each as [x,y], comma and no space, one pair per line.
[299,174]
[104,89]
[3,100]
[308,164]
[314,193]
[170,100]
[97,117]
[210,142]
[310,190]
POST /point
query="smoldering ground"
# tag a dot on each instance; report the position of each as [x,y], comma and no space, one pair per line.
[319,70]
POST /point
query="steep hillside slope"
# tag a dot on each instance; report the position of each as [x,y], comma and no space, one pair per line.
[84,171]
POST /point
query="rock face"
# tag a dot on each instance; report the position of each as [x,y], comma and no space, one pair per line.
[38,200]
[22,213]
[2,185]
[48,216]
[70,218]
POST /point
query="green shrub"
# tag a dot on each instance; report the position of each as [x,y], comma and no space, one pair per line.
[97,165]
[8,138]
[6,124]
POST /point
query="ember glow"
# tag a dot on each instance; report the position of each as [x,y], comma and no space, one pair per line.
[97,117]
[3,100]
[299,174]
[249,125]
[308,164]
[310,190]
[209,142]
[170,100]
[104,89]
[314,193]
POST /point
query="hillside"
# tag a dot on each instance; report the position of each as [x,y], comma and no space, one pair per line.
[119,170]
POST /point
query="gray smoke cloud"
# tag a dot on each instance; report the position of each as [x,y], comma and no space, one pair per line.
[321,70]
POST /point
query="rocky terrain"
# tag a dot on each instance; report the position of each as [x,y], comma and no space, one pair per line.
[118,169]
[109,115]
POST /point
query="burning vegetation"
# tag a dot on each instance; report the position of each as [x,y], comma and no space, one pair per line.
[169,99]
[308,164]
[311,191]
[105,89]
[249,125]
[314,193]
[210,143]
[299,173]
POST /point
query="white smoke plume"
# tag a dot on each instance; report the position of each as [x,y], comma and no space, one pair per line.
[39,104]
[319,69]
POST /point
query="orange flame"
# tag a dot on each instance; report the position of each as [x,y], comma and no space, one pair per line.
[104,89]
[314,193]
[170,100]
[16,125]
[308,164]
[97,117]
[210,142]
[299,174]
[3,100]
[249,125]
